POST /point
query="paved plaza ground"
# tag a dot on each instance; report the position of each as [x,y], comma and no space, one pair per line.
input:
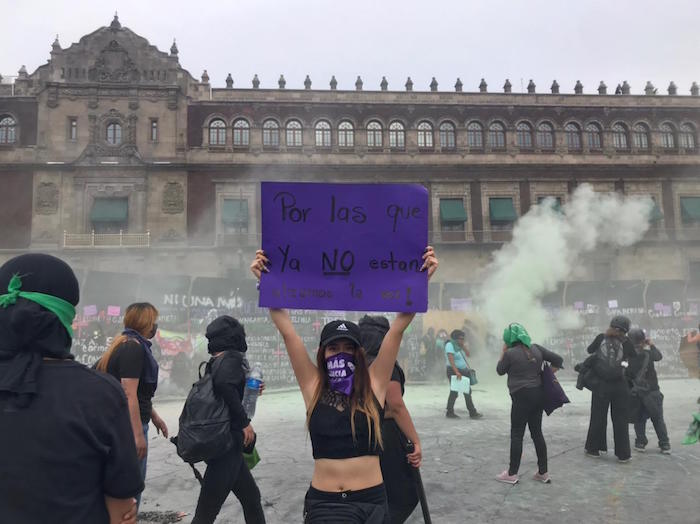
[461,459]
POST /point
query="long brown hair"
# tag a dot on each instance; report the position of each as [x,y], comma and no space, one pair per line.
[361,396]
[140,317]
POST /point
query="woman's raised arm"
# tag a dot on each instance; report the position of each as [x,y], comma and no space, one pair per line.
[304,368]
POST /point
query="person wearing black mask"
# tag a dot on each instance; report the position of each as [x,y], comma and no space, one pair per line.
[397,427]
[612,351]
[228,472]
[66,448]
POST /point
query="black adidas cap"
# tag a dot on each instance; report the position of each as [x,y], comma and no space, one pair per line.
[338,329]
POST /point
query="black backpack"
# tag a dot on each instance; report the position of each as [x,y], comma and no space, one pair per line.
[205,422]
[608,362]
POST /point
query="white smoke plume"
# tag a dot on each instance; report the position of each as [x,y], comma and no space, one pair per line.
[546,248]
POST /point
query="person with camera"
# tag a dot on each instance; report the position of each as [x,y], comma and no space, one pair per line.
[647,399]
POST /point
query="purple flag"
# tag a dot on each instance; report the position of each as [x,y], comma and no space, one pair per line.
[350,247]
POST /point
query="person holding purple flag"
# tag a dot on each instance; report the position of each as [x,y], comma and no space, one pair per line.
[344,399]
[522,361]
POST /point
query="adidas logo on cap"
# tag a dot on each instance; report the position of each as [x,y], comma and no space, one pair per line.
[341,327]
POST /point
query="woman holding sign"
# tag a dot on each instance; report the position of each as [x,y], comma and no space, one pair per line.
[344,401]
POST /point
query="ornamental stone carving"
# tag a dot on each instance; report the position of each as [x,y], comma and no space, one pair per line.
[114,65]
[46,199]
[173,198]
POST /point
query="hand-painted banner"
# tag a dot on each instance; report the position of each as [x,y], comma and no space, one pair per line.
[351,247]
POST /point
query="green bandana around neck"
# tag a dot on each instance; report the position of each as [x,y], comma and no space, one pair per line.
[516,333]
[65,311]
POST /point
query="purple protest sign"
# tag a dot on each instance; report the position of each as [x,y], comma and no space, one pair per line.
[350,247]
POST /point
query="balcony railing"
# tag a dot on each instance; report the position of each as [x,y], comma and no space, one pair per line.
[105,240]
[238,239]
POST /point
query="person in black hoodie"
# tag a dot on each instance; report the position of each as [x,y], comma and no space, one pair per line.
[67,453]
[645,392]
[397,428]
[228,472]
[612,351]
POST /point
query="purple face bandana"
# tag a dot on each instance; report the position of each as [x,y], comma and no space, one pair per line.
[341,371]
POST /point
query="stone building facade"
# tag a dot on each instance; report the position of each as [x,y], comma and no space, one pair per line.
[114,156]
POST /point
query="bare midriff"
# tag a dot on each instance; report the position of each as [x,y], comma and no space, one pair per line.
[351,474]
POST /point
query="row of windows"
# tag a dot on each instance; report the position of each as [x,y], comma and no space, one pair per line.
[112,131]
[477,136]
[235,214]
[543,136]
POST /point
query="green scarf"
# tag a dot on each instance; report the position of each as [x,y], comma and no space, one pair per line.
[65,311]
[515,333]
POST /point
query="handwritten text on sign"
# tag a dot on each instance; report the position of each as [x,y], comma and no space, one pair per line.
[352,247]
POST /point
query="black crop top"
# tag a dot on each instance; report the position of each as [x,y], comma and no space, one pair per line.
[331,433]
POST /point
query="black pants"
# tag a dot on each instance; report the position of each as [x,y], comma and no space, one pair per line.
[652,407]
[224,474]
[616,396]
[399,479]
[365,506]
[453,394]
[527,408]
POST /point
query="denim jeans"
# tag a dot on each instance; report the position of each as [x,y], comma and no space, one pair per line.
[142,463]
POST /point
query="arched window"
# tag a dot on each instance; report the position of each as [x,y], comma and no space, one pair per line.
[668,136]
[271,134]
[425,135]
[294,133]
[545,136]
[8,133]
[397,135]
[217,132]
[447,135]
[497,136]
[114,133]
[524,135]
[619,136]
[346,134]
[595,143]
[241,133]
[686,136]
[323,134]
[640,136]
[475,135]
[573,136]
[374,134]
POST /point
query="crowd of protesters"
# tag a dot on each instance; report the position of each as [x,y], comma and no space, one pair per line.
[93,422]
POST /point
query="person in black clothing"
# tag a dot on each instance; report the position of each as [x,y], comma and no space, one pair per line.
[66,449]
[228,472]
[397,428]
[129,359]
[645,392]
[344,399]
[612,350]
[522,361]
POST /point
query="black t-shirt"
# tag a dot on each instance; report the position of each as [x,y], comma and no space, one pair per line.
[128,361]
[69,448]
